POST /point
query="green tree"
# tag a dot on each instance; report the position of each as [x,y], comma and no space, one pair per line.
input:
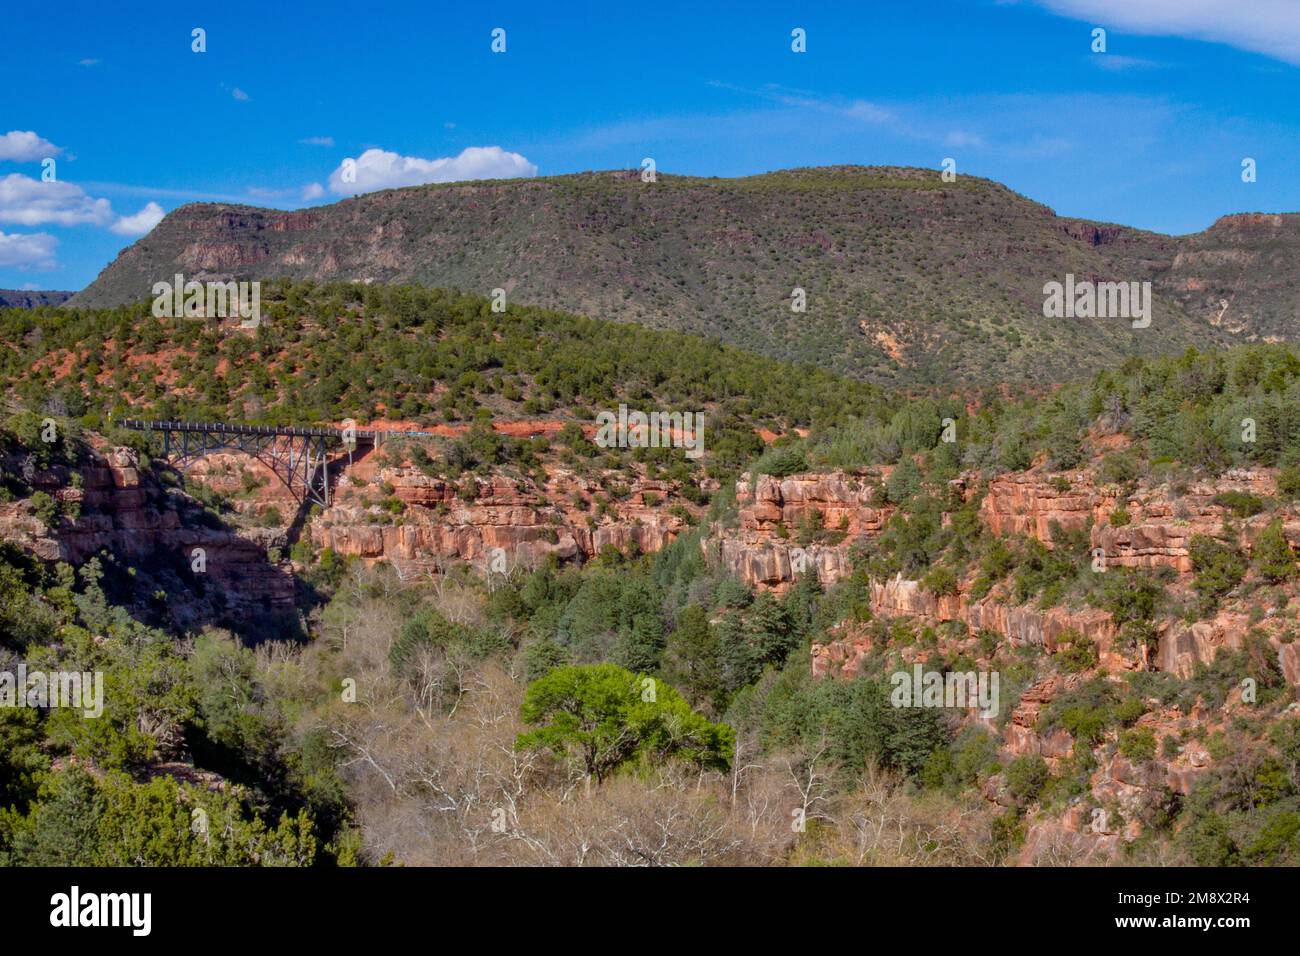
[693,659]
[63,827]
[605,716]
[1273,555]
[1218,569]
[1026,776]
[904,482]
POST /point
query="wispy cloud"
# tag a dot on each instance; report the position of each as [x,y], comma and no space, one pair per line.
[1115,63]
[28,250]
[264,194]
[855,109]
[239,94]
[962,139]
[1270,27]
[318,141]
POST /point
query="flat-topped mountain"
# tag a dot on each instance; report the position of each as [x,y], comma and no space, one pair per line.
[28,299]
[908,279]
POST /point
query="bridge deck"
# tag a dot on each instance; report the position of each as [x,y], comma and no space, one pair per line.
[362,435]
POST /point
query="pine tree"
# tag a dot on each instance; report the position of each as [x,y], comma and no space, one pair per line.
[1273,555]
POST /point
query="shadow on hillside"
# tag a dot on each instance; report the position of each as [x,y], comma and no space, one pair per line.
[200,573]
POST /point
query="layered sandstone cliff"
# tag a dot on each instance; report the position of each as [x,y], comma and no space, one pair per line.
[513,518]
[779,519]
[763,550]
[123,513]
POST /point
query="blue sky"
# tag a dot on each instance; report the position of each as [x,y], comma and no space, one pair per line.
[1151,133]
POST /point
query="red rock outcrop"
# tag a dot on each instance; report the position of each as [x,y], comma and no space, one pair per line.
[764,551]
[443,522]
[126,514]
[1019,625]
[1160,523]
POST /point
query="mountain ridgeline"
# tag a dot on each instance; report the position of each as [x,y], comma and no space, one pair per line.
[28,299]
[909,280]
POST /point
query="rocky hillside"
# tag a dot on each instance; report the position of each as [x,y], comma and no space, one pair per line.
[1122,691]
[164,555]
[1119,553]
[908,280]
[1156,532]
[434,360]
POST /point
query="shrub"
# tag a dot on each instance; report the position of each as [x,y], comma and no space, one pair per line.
[1241,503]
[1026,776]
[1273,555]
[941,579]
[1218,569]
[781,463]
[1138,744]
[1079,655]
[1288,483]
[1119,468]
[45,507]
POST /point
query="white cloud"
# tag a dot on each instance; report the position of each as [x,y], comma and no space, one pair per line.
[312,191]
[141,222]
[1271,27]
[318,141]
[27,251]
[380,169]
[89,61]
[239,94]
[26,147]
[30,202]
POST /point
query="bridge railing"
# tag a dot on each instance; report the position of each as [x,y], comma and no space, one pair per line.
[362,435]
[223,428]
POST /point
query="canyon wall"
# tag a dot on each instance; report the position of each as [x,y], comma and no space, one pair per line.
[143,526]
[763,551]
[443,521]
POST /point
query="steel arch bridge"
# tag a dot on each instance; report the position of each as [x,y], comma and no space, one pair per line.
[299,457]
